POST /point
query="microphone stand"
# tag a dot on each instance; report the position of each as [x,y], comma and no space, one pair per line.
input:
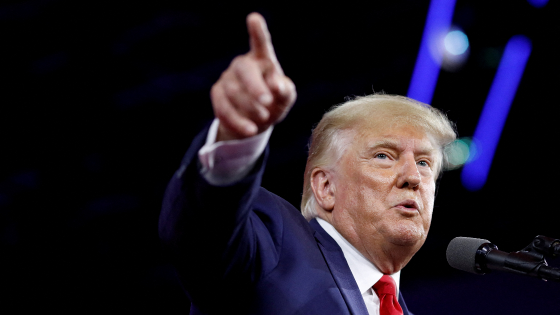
[529,261]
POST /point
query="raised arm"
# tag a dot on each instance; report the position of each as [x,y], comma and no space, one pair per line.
[253,93]
[227,235]
[250,96]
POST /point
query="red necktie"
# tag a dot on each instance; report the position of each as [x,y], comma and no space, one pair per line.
[386,290]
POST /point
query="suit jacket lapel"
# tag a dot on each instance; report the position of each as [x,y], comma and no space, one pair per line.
[342,274]
[403,305]
[340,271]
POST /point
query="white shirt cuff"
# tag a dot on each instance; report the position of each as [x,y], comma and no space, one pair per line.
[226,162]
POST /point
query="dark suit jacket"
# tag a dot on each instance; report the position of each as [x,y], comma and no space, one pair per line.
[241,249]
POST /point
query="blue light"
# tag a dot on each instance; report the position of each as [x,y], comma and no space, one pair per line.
[495,111]
[426,70]
[456,42]
[538,3]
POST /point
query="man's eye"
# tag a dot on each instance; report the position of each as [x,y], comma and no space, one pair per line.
[381,156]
[423,163]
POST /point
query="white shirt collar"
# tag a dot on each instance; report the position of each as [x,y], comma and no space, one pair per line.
[364,271]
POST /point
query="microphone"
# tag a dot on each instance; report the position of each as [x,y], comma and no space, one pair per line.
[479,256]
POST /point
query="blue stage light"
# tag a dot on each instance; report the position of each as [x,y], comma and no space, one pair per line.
[538,3]
[428,62]
[495,111]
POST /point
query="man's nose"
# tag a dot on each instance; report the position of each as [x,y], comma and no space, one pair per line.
[409,176]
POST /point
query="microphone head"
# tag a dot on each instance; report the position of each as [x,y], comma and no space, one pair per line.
[461,253]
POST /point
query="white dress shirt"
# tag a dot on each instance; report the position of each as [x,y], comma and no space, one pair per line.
[225,162]
[365,273]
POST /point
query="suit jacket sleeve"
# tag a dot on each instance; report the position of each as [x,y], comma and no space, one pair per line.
[215,239]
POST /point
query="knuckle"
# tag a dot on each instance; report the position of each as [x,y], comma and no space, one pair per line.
[231,89]
[291,84]
[214,89]
[222,114]
[235,62]
[214,93]
[238,62]
[291,87]
[223,76]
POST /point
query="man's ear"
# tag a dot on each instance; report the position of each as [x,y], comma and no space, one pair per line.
[323,188]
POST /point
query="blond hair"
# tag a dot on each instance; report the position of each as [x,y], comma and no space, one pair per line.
[328,143]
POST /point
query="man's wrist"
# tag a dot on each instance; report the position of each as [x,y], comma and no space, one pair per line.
[225,162]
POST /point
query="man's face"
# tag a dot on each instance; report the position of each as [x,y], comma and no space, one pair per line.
[384,188]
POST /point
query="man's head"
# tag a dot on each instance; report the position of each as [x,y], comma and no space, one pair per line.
[371,171]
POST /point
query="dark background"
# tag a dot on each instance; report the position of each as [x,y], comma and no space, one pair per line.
[100,99]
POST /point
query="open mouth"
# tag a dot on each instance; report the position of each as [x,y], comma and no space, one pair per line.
[409,204]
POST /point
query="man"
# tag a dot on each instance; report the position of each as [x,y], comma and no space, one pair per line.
[369,188]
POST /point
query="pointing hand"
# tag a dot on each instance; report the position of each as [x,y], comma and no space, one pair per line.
[253,93]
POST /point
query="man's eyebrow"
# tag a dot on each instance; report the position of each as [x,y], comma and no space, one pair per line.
[384,143]
[393,144]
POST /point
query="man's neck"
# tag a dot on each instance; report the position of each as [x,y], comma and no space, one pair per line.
[363,270]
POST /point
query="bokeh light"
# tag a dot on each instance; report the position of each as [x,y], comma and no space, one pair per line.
[459,152]
[456,42]
[454,48]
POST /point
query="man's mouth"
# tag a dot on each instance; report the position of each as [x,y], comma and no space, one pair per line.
[408,204]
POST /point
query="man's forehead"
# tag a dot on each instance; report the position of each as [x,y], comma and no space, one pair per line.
[398,137]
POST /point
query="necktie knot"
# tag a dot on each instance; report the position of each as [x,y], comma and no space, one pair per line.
[386,289]
[385,285]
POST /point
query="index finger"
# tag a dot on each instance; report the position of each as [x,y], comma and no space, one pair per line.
[261,44]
